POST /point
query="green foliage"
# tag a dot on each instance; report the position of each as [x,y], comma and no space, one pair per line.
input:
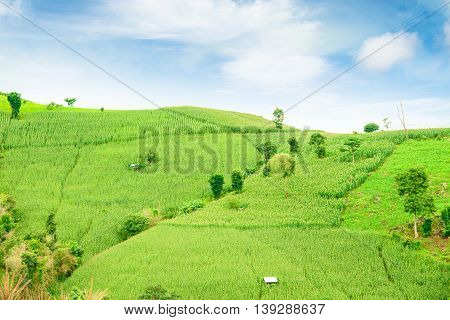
[158,293]
[70,101]
[64,263]
[51,225]
[6,223]
[216,182]
[15,102]
[52,106]
[7,202]
[235,204]
[371,127]
[427,227]
[293,145]
[445,216]
[237,181]
[351,146]
[320,152]
[192,206]
[412,181]
[419,204]
[77,294]
[267,149]
[282,164]
[151,157]
[31,263]
[317,141]
[266,170]
[75,248]
[132,225]
[278,118]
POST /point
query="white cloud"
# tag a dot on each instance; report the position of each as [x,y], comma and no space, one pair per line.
[268,43]
[15,4]
[396,52]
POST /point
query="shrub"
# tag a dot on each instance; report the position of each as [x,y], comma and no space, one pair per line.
[6,223]
[426,227]
[237,181]
[53,106]
[7,203]
[192,206]
[151,157]
[51,225]
[216,182]
[268,149]
[15,101]
[132,225]
[371,127]
[266,171]
[64,263]
[31,263]
[249,171]
[293,145]
[445,216]
[158,293]
[234,204]
[283,164]
[75,248]
[320,152]
[317,140]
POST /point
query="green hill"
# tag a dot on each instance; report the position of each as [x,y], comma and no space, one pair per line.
[314,230]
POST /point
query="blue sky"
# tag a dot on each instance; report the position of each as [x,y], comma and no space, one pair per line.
[245,55]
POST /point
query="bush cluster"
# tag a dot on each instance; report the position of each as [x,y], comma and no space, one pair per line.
[132,225]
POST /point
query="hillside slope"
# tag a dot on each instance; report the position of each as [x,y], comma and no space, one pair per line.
[283,230]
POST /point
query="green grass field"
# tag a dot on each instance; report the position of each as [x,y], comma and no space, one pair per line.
[324,231]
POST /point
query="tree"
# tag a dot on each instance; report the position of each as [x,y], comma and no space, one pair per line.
[216,182]
[293,145]
[70,101]
[278,118]
[371,127]
[386,123]
[237,181]
[413,186]
[15,101]
[351,146]
[267,149]
[317,140]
